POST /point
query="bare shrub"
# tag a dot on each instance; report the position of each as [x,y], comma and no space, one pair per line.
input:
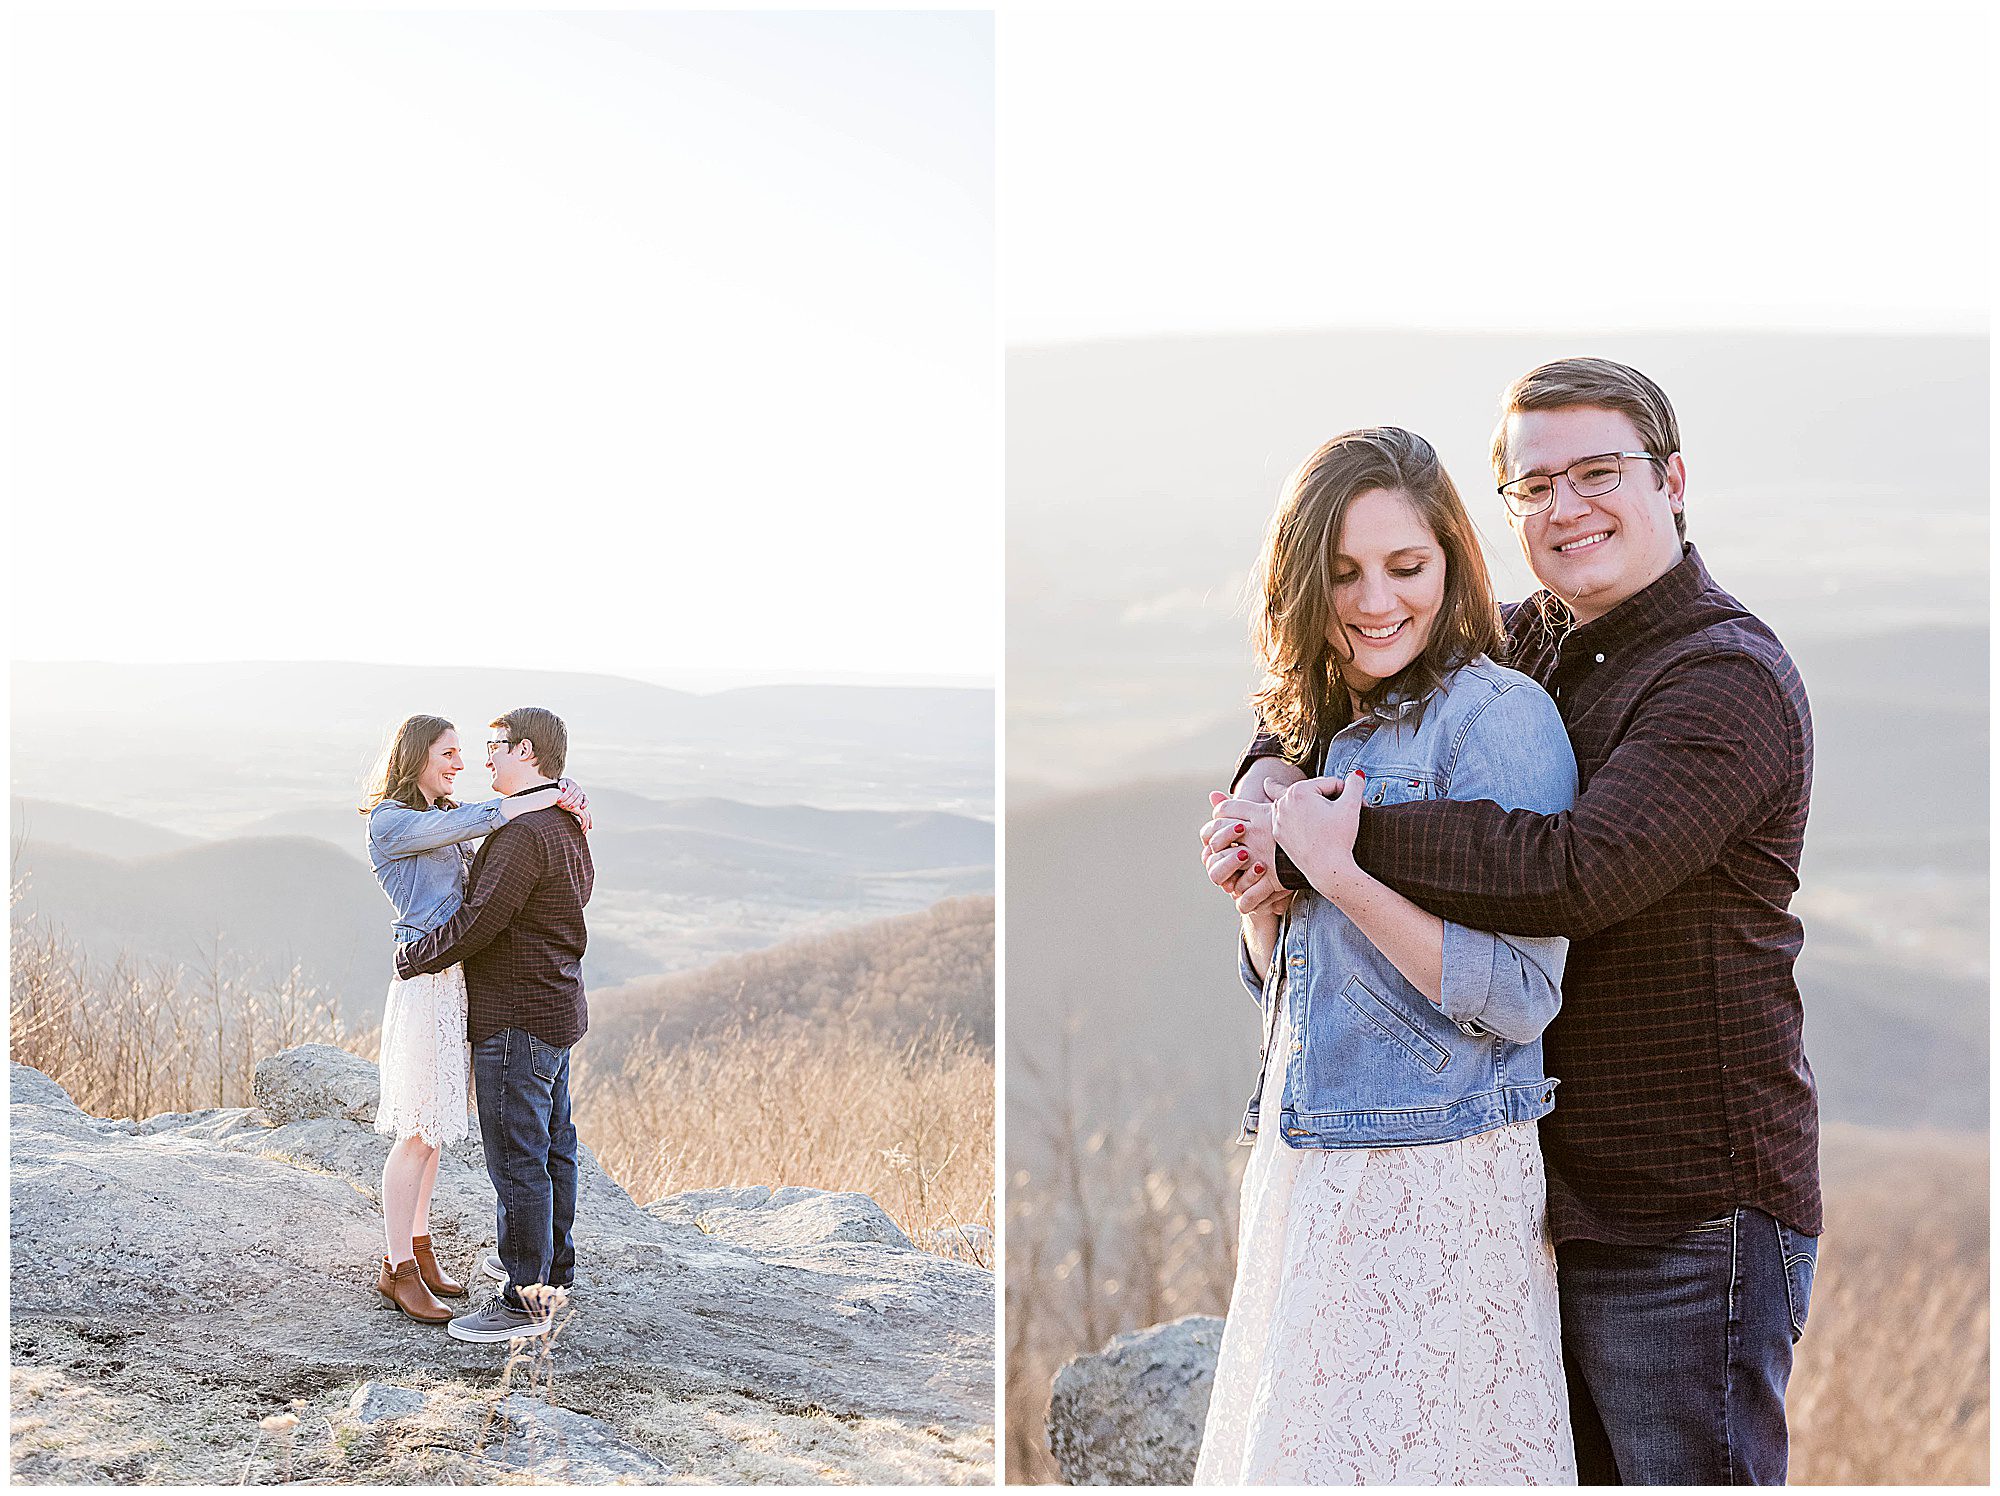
[824,1104]
[127,1040]
[1109,1228]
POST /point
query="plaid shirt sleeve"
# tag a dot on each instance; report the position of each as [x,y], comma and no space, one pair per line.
[502,878]
[1710,746]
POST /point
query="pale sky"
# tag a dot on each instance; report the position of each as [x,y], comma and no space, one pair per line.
[1602,167]
[610,341]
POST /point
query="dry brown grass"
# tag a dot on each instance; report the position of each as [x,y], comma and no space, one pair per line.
[813,1101]
[908,1121]
[1107,1233]
[127,1040]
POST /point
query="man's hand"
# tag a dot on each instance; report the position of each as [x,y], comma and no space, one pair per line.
[1316,821]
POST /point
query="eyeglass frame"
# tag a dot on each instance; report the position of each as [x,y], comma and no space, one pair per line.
[1564,473]
[502,744]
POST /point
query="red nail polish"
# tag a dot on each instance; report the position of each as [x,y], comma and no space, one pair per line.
[1258,869]
[1361,773]
[1239,826]
[1241,855]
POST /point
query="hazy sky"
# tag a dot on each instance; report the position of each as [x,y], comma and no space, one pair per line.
[610,341]
[1417,167]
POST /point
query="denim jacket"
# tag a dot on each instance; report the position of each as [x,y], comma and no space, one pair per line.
[419,857]
[1373,1062]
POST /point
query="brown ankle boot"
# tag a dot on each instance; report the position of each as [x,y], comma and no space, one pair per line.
[402,1286]
[434,1277]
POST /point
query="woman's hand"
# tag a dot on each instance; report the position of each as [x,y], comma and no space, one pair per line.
[1316,821]
[1244,820]
[575,801]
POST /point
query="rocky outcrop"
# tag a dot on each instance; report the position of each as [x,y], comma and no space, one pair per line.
[176,1280]
[1132,1414]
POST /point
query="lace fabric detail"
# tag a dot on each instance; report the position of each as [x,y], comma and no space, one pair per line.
[426,1061]
[1394,1319]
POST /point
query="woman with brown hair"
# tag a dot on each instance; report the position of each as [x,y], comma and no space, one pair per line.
[1394,1316]
[420,844]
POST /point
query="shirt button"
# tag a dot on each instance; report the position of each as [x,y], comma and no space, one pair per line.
[1600,659]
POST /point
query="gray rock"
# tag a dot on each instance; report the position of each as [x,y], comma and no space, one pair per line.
[556,1445]
[379,1402]
[247,1251]
[29,1087]
[1132,1414]
[790,1217]
[317,1080]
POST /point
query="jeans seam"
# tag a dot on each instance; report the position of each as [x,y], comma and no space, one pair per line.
[1731,1340]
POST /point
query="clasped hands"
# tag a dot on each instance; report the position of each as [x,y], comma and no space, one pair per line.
[1314,820]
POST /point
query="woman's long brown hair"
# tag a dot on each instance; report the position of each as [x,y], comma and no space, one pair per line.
[1302,698]
[396,774]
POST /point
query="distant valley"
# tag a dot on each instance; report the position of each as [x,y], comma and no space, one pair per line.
[218,813]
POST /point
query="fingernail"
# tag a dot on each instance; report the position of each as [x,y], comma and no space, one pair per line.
[1259,868]
[1241,855]
[1360,773]
[1239,826]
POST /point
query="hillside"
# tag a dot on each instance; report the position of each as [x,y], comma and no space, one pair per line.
[680,883]
[900,975]
[34,823]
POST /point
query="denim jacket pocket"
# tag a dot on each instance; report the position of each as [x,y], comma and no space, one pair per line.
[1395,1027]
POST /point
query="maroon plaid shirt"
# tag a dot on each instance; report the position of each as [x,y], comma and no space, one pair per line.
[1686,1090]
[520,932]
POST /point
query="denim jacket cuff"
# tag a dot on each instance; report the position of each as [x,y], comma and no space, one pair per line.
[1247,969]
[1468,975]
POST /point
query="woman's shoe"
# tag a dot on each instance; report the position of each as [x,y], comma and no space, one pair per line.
[404,1287]
[434,1277]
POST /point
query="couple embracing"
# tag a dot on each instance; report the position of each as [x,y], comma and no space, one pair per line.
[1534,1190]
[489,985]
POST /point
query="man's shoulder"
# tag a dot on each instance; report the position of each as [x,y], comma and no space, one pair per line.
[1718,628]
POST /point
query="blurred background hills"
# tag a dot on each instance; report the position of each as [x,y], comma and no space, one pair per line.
[162,812]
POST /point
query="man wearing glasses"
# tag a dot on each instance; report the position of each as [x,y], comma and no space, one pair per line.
[1683,1155]
[521,937]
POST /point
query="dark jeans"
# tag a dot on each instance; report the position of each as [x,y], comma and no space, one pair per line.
[1678,1354]
[523,1090]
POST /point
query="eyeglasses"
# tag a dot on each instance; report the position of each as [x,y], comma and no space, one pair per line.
[498,745]
[1588,477]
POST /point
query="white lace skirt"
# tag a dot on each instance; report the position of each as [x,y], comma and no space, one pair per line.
[1394,1319]
[426,1061]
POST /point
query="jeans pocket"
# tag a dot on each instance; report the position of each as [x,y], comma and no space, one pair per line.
[546,1058]
[1801,1255]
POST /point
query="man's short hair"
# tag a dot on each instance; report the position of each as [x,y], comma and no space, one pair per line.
[545,730]
[1570,382]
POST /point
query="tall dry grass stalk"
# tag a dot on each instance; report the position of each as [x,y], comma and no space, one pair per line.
[1109,1229]
[1114,1228]
[908,1121]
[127,1040]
